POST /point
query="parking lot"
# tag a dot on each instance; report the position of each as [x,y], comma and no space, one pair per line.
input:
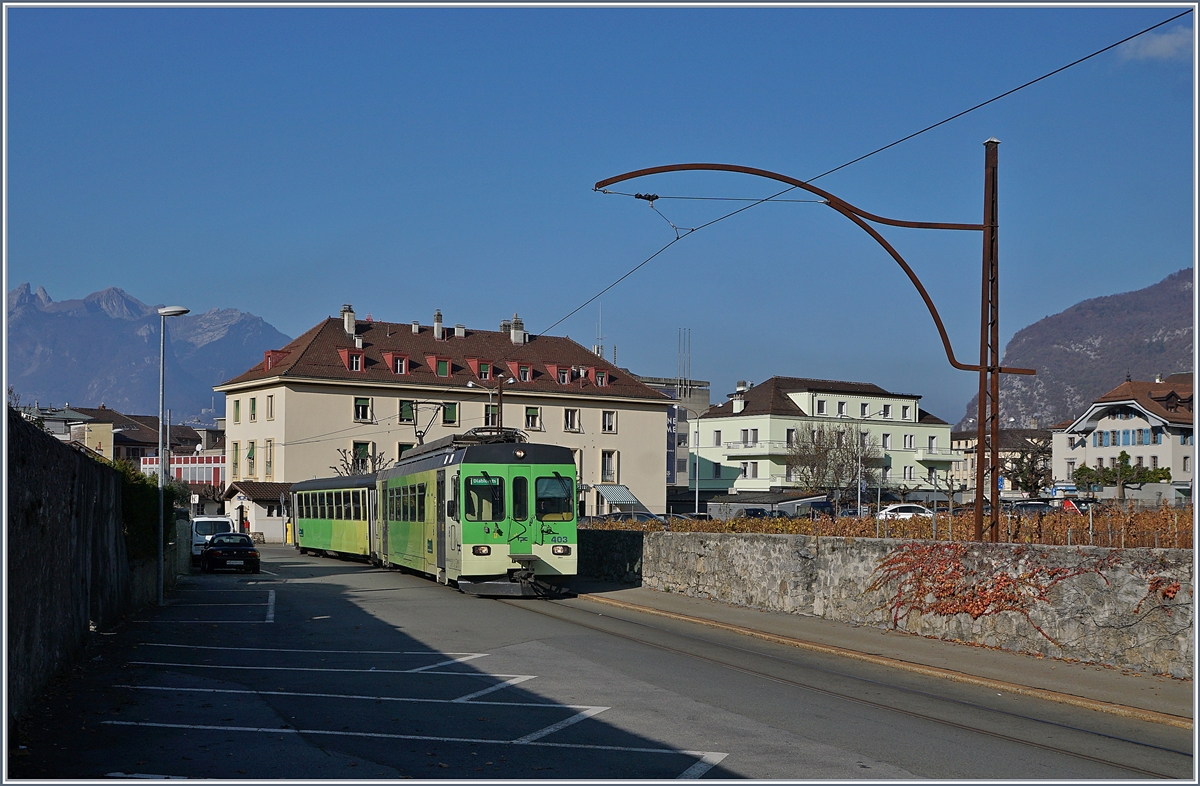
[283,675]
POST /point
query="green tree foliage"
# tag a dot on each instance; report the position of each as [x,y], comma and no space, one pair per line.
[139,510]
[1120,475]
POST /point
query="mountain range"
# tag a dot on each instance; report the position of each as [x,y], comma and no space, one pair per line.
[1092,347]
[103,349]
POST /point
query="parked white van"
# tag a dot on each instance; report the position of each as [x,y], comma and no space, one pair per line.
[203,528]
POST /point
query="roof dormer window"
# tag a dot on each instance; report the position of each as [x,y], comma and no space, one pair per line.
[564,376]
[353,359]
[485,370]
[523,373]
[601,379]
[397,362]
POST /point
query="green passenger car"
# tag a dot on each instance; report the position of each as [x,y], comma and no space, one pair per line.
[492,517]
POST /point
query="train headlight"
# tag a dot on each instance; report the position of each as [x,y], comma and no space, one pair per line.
[560,551]
[519,454]
[481,551]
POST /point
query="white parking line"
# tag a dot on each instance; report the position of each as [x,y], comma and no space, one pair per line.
[270,606]
[462,659]
[562,724]
[382,735]
[371,670]
[277,649]
[404,699]
[500,686]
[148,777]
[706,763]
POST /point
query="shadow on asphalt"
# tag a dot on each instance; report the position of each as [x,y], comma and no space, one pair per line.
[206,687]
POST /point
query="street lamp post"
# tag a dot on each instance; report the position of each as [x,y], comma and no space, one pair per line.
[163,313]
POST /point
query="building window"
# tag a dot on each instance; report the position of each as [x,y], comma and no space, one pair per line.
[886,441]
[570,420]
[533,418]
[1099,463]
[443,368]
[270,407]
[933,444]
[820,406]
[910,442]
[269,459]
[1138,461]
[237,410]
[362,409]
[931,475]
[790,474]
[1187,463]
[485,371]
[491,415]
[864,410]
[791,437]
[749,437]
[716,470]
[608,466]
[681,466]
[250,459]
[906,412]
[355,362]
[1070,469]
[361,454]
[401,447]
[601,379]
[887,474]
[887,410]
[235,455]
[717,438]
[401,365]
[608,422]
[253,409]
[564,376]
[523,373]
[407,412]
[1154,462]
[841,409]
[908,473]
[750,469]
[449,414]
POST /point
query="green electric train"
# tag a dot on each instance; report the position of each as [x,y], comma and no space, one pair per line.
[490,513]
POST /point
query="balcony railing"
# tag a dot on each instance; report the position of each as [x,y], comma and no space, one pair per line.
[760,446]
[939,454]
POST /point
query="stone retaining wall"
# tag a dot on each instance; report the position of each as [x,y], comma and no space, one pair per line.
[1130,608]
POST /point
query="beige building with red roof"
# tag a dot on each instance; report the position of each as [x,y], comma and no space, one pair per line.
[1151,421]
[378,388]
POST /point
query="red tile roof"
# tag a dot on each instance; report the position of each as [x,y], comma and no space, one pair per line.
[315,355]
[257,491]
[1170,399]
[771,397]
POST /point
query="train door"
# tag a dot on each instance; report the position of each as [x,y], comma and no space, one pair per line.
[519,535]
[385,517]
[373,550]
[441,525]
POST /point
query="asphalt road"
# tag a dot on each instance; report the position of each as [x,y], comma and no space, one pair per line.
[321,668]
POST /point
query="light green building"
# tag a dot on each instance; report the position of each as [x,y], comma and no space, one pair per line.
[744,443]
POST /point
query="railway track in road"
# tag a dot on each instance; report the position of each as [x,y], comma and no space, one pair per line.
[581,617]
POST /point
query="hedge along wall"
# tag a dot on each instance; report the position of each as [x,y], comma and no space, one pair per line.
[1128,608]
[67,564]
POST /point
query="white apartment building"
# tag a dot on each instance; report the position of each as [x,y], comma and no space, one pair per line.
[744,443]
[1151,421]
[374,388]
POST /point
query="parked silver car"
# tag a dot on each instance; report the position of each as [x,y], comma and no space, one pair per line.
[904,511]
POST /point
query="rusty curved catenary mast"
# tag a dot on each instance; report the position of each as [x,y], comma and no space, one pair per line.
[989,368]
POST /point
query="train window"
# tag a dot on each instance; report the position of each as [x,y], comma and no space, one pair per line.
[520,498]
[554,498]
[420,502]
[454,497]
[337,505]
[357,505]
[322,504]
[485,499]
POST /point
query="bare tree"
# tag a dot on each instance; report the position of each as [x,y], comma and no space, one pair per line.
[1027,464]
[350,464]
[833,458]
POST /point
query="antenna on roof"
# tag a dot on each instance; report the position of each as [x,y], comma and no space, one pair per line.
[598,347]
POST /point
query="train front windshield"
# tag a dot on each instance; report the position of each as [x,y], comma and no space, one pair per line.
[555,498]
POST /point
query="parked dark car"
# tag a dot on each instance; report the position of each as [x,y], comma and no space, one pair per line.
[229,551]
[754,513]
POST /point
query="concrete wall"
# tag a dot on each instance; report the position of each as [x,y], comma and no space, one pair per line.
[1128,608]
[67,563]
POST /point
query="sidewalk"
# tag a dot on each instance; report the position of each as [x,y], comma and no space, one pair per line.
[1107,685]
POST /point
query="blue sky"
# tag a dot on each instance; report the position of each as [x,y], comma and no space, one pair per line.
[286,161]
